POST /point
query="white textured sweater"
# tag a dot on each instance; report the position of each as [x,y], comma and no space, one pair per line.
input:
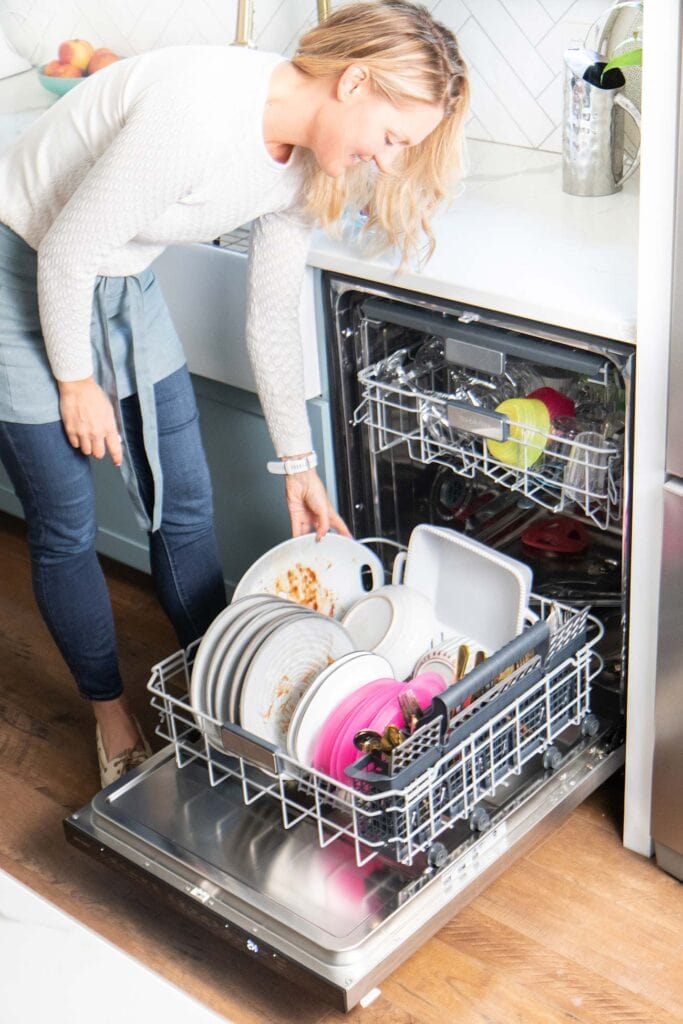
[163,148]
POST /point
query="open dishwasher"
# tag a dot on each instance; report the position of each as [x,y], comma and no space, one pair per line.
[335,883]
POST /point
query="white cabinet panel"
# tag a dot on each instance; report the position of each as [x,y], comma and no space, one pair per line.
[204,287]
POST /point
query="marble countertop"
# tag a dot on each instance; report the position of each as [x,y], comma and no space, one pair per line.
[513,242]
[81,977]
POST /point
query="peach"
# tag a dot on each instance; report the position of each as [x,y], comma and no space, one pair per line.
[75,51]
[101,58]
[55,69]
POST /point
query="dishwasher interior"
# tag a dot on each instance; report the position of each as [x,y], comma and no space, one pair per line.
[335,885]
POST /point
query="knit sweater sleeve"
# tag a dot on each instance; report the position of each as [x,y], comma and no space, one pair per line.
[277,259]
[149,164]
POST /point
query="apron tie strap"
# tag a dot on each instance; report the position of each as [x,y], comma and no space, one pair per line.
[144,384]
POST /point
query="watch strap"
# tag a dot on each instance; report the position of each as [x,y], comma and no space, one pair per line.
[290,466]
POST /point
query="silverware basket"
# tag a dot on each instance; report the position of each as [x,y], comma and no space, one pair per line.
[475,735]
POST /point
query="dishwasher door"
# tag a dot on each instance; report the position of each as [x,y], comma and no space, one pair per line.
[308,912]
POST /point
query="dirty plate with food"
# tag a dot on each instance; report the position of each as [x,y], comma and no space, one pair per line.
[286,663]
[326,576]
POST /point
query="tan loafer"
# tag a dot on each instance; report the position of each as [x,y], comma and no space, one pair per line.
[133,757]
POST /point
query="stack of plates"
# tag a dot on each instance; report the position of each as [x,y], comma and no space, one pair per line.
[256,660]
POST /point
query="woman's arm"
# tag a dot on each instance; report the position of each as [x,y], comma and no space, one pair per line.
[277,260]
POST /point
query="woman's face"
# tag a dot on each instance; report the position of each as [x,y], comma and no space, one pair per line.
[359,125]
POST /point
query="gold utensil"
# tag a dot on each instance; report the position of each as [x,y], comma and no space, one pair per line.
[411,710]
[392,737]
[367,740]
[461,662]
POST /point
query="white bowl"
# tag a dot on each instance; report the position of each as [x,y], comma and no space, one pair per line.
[394,621]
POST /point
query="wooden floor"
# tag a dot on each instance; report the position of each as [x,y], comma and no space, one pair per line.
[580,930]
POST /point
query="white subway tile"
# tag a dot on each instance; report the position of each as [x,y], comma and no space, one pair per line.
[451,13]
[506,35]
[503,82]
[493,115]
[532,18]
[556,8]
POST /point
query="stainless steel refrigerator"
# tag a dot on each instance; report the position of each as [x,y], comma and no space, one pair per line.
[667,796]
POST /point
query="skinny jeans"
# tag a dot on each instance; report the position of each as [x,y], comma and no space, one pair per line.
[53,482]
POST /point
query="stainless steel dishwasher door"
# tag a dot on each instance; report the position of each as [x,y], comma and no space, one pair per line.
[306,911]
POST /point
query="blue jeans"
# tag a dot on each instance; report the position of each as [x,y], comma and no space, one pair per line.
[54,484]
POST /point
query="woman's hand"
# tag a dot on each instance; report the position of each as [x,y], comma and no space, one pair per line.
[89,420]
[309,506]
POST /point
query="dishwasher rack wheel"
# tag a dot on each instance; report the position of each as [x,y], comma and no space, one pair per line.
[590,726]
[437,855]
[551,758]
[479,820]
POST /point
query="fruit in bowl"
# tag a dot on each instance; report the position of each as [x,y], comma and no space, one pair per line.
[76,59]
[76,52]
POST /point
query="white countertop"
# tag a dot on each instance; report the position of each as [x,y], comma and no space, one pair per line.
[514,242]
[55,969]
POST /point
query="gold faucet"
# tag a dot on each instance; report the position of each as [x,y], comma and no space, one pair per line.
[244,34]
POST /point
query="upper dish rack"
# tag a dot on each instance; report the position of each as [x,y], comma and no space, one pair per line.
[478,733]
[581,475]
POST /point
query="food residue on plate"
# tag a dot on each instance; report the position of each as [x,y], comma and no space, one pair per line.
[287,695]
[301,584]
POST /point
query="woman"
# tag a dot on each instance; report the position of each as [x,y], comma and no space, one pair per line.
[177,145]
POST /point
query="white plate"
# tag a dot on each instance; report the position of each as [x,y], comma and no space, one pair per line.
[313,688]
[228,681]
[199,692]
[284,666]
[344,677]
[232,635]
[327,575]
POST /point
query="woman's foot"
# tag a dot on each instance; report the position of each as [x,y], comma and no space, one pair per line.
[120,743]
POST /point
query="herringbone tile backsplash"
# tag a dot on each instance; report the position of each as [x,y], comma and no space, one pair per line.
[513,47]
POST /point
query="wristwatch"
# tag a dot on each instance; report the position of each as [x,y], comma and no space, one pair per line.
[289,466]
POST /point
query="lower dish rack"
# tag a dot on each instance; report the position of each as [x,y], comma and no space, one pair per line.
[478,733]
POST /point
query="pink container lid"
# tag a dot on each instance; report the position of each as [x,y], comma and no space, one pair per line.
[555,402]
[329,732]
[344,750]
[377,714]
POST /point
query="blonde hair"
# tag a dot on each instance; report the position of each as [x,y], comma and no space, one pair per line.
[410,57]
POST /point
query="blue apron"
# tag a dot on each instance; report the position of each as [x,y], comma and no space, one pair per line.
[134,345]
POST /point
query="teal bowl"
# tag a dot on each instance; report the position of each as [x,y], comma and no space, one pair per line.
[57,85]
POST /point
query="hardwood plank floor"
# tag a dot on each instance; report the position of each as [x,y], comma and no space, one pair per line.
[579,930]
